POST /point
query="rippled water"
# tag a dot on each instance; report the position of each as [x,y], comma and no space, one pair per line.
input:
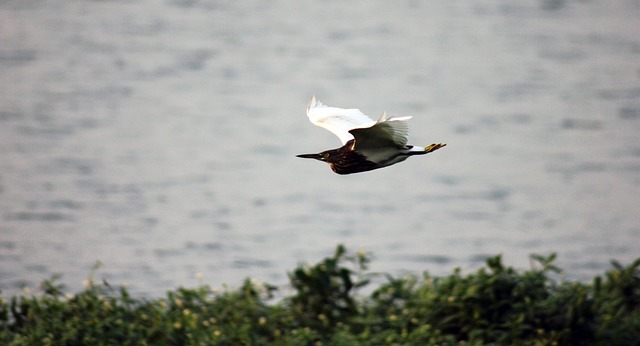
[159,137]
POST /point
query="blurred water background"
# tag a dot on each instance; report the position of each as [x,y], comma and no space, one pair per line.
[159,137]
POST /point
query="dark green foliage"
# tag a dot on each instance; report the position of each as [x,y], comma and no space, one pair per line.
[493,305]
[324,292]
[620,290]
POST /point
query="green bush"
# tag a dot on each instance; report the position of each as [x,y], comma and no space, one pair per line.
[493,305]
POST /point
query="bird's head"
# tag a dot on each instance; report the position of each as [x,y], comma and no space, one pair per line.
[323,156]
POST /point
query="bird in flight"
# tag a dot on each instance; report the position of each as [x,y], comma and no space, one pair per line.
[367,144]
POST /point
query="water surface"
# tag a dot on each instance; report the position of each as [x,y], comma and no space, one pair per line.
[159,137]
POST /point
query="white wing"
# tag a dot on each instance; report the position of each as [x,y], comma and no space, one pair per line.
[387,131]
[337,120]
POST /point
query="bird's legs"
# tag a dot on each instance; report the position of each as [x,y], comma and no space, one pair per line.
[433,147]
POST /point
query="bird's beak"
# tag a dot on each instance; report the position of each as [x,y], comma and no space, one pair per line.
[311,156]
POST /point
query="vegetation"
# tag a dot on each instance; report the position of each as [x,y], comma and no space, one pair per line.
[494,305]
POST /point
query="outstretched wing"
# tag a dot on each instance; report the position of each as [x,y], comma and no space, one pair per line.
[386,132]
[337,120]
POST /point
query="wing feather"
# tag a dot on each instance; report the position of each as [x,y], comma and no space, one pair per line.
[338,121]
[387,131]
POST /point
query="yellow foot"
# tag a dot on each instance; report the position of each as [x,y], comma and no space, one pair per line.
[434,147]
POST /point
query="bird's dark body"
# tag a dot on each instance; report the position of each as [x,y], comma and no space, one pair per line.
[346,161]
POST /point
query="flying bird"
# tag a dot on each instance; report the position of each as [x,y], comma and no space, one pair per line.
[367,144]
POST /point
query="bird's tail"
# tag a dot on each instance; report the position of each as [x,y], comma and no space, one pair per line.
[421,151]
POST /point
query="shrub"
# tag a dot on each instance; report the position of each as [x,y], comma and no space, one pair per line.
[496,304]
